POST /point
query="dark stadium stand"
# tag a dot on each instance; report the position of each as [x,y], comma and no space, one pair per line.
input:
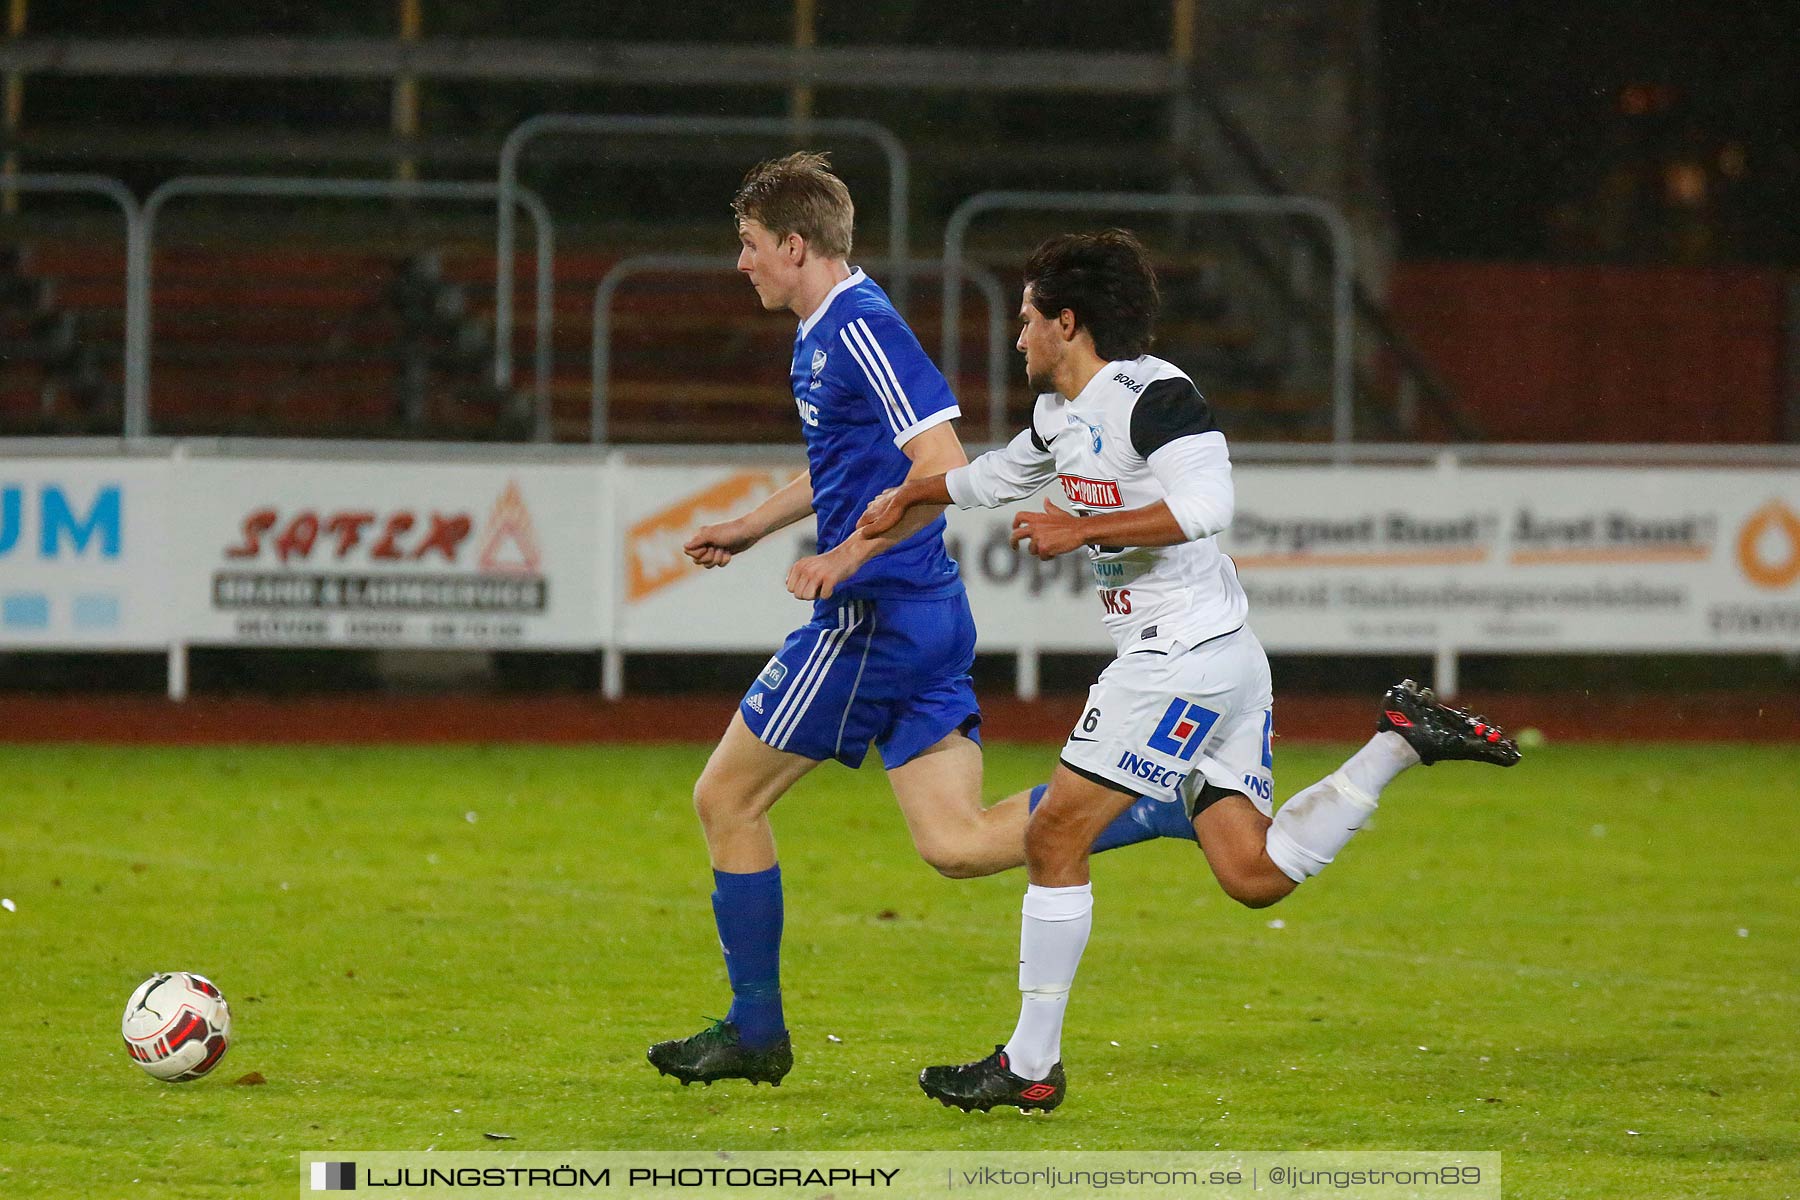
[386,341]
[58,365]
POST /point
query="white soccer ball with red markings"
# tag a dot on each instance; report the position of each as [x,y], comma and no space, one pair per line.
[177,1025]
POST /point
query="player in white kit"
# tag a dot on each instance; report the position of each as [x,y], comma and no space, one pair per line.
[1184,713]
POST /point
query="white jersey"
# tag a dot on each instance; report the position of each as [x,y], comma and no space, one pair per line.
[1139,432]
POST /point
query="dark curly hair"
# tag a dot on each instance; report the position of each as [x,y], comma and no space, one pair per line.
[1106,280]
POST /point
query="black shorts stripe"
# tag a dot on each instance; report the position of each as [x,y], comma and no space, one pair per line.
[1210,794]
[1102,780]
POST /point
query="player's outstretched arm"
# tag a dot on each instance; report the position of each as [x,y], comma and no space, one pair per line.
[1196,474]
[891,507]
[933,452]
[921,497]
[714,545]
[1057,531]
[1014,471]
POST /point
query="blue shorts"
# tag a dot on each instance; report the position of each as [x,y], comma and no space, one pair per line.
[891,672]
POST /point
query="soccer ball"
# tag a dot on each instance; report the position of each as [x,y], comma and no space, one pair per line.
[177,1025]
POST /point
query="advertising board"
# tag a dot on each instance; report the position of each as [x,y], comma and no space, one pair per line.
[84,554]
[393,554]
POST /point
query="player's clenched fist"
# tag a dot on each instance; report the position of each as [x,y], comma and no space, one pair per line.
[1051,532]
[713,545]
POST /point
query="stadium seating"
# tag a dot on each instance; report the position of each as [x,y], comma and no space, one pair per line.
[57,372]
[396,341]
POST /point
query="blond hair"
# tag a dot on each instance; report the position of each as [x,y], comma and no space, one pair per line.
[799,194]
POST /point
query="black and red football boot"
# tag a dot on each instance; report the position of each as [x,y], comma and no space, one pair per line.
[982,1085]
[1440,733]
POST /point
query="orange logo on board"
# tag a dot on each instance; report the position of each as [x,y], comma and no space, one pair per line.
[1768,546]
[654,558]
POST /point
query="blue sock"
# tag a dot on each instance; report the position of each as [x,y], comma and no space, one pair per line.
[1147,818]
[747,909]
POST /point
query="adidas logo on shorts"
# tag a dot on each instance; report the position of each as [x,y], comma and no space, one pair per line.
[755,702]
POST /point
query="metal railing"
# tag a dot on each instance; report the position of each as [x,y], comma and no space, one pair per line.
[1419,380]
[135,236]
[699,264]
[1454,454]
[899,184]
[1083,71]
[1343,384]
[138,298]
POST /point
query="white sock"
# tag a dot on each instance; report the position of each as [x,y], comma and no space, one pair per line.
[1052,936]
[1382,758]
[1314,825]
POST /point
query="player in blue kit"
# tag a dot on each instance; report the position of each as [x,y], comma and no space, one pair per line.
[885,658]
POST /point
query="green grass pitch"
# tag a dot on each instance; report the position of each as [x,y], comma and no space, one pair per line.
[1590,963]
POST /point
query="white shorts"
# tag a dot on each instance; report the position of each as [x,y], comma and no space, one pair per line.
[1163,725]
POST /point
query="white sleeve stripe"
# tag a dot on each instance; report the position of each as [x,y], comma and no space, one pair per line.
[887,402]
[867,349]
[906,407]
[926,422]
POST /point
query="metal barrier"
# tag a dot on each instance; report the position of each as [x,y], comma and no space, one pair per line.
[138,268]
[1343,328]
[1780,455]
[118,193]
[899,183]
[700,264]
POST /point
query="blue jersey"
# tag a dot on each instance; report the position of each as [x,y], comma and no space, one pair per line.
[864,388]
